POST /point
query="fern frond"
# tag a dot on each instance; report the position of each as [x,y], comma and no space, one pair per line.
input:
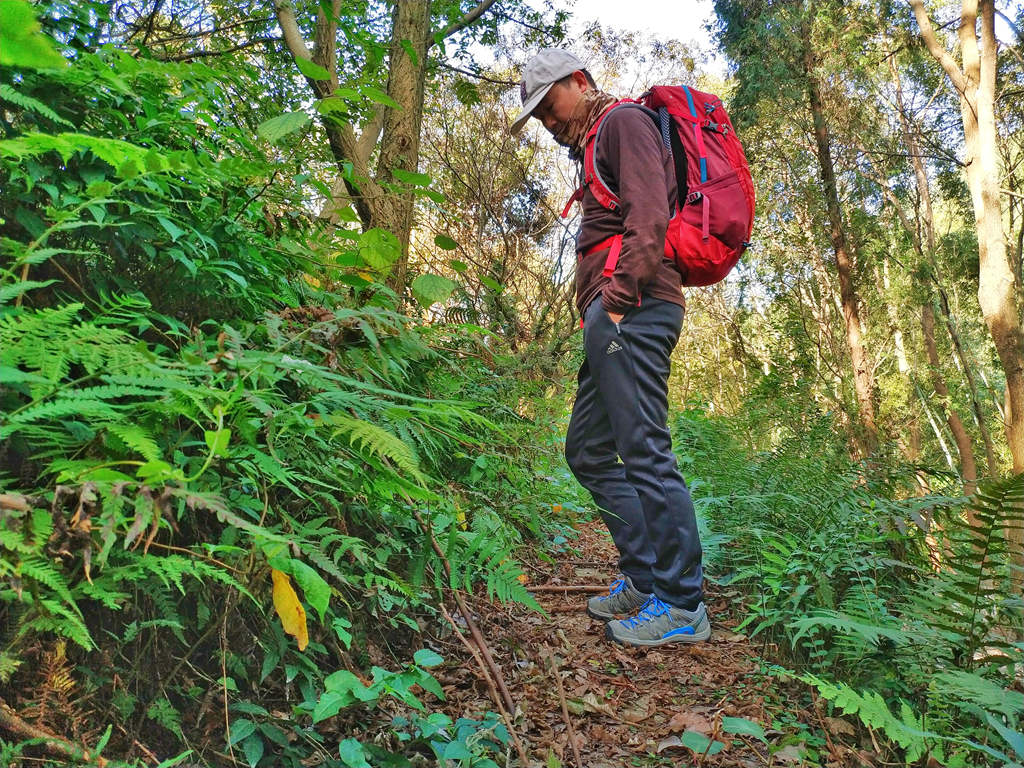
[958,685]
[378,441]
[906,729]
[7,93]
[57,618]
[36,568]
[137,439]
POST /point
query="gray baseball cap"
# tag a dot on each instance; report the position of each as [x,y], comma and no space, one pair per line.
[541,72]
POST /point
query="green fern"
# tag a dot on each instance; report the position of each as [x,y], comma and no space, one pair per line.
[47,615]
[961,686]
[379,442]
[35,568]
[7,93]
[137,439]
[905,729]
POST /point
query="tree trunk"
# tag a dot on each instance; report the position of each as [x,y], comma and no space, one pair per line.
[997,285]
[968,469]
[862,366]
[400,142]
[926,250]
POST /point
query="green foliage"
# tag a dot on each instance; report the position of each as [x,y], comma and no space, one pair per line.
[21,42]
[898,610]
[182,409]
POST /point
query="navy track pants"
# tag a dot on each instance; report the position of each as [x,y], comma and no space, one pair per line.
[621,411]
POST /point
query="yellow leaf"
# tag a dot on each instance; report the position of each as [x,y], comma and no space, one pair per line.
[288,607]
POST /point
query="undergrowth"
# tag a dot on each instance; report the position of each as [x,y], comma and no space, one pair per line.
[901,609]
[218,429]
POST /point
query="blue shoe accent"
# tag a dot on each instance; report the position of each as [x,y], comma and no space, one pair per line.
[622,598]
[648,612]
[617,586]
[658,623]
[680,631]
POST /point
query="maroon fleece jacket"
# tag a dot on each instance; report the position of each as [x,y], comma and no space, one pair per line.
[635,164]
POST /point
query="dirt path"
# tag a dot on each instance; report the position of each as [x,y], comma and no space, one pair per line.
[627,706]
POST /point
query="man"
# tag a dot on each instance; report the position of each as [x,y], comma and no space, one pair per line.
[631,323]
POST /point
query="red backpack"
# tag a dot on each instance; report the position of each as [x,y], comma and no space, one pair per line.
[714,216]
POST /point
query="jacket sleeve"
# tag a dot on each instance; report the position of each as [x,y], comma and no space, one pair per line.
[631,151]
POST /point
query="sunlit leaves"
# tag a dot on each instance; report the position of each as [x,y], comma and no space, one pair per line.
[22,44]
[430,289]
[445,243]
[312,70]
[409,177]
[276,128]
[379,248]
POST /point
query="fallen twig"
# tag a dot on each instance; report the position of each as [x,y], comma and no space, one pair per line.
[474,631]
[53,744]
[565,709]
[568,588]
[506,716]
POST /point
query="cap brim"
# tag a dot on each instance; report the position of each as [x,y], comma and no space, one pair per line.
[528,107]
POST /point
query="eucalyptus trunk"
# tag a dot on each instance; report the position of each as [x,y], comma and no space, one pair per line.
[863,380]
[975,84]
[926,250]
[968,467]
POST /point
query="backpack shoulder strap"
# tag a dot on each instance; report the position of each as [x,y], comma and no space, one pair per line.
[591,173]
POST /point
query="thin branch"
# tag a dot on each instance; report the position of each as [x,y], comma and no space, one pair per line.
[565,709]
[465,21]
[208,32]
[201,54]
[152,19]
[522,23]
[474,631]
[506,716]
[477,75]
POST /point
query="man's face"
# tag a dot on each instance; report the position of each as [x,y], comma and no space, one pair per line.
[556,107]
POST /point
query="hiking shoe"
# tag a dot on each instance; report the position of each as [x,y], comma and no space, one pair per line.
[658,623]
[622,597]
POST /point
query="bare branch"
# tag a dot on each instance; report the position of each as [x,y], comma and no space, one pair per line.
[465,21]
[292,36]
[477,75]
[188,56]
[368,138]
[935,48]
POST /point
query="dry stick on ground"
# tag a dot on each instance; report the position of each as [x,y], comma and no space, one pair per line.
[224,673]
[55,745]
[569,588]
[474,631]
[565,708]
[506,716]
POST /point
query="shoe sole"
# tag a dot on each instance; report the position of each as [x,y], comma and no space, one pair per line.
[693,639]
[602,616]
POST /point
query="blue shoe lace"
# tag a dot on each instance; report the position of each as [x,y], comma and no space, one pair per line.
[617,586]
[648,612]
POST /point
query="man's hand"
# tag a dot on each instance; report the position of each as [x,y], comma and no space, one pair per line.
[616,318]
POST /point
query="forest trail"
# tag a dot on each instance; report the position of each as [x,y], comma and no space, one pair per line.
[627,706]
